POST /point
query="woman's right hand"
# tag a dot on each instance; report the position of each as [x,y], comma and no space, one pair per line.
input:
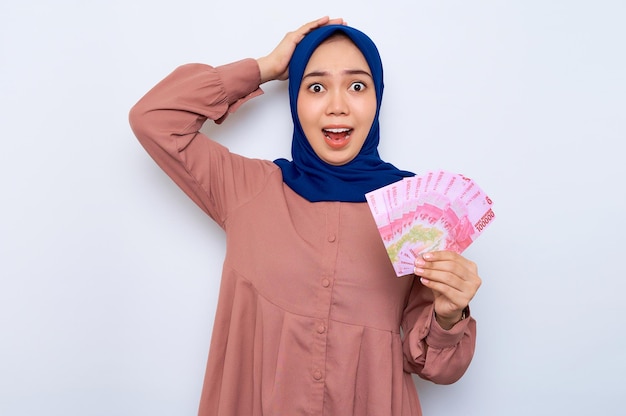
[275,65]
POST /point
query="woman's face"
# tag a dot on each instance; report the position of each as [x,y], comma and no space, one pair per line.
[337,101]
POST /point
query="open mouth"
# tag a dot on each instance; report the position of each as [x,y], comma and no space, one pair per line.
[338,137]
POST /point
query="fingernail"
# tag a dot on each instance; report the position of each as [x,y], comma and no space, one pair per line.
[427,256]
[418,270]
[419,261]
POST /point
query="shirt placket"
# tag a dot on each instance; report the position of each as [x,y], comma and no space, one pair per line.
[326,280]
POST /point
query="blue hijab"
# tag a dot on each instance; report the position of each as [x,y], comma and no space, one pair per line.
[308,175]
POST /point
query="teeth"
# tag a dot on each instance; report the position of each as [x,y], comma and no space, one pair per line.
[337,130]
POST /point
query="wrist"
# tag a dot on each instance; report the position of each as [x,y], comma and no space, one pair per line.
[266,69]
[263,70]
[448,322]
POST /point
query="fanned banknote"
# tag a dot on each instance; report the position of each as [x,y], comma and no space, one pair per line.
[439,210]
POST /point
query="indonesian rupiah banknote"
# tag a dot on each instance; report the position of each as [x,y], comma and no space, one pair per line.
[438,210]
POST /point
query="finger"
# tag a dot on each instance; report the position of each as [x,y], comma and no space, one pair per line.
[448,261]
[443,255]
[465,286]
[307,27]
[337,21]
[438,278]
[460,275]
[443,267]
[322,21]
[326,20]
[466,283]
[456,291]
[453,295]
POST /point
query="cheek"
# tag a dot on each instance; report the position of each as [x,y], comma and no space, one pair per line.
[302,109]
[365,107]
[371,109]
[305,122]
[367,115]
[307,114]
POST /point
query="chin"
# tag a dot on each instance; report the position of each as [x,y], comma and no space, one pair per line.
[338,162]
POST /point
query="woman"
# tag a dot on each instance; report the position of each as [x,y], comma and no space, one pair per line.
[311,319]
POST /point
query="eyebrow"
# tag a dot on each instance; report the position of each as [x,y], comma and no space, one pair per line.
[346,72]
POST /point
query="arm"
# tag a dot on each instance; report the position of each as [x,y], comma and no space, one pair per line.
[439,334]
[436,354]
[167,120]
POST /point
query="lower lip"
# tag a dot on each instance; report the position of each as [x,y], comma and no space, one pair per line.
[337,144]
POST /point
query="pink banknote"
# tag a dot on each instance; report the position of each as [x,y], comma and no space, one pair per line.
[439,210]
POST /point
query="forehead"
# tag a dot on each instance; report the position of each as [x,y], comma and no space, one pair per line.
[337,50]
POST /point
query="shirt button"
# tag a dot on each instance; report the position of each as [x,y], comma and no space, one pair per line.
[317,375]
[321,328]
[332,238]
[325,282]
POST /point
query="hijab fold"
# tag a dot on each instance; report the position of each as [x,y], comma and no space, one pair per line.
[307,174]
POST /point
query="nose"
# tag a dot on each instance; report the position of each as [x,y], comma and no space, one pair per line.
[337,104]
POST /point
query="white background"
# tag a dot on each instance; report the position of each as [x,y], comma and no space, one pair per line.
[109,274]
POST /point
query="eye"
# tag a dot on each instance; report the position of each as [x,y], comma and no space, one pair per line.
[316,87]
[357,86]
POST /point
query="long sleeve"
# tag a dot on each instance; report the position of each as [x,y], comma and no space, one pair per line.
[430,351]
[167,121]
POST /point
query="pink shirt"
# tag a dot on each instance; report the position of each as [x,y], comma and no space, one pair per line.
[311,319]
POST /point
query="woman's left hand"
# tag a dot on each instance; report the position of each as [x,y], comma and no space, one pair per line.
[454,281]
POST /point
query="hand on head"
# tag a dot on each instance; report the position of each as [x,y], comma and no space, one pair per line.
[275,65]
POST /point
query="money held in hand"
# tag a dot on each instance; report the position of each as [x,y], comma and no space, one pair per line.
[439,210]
